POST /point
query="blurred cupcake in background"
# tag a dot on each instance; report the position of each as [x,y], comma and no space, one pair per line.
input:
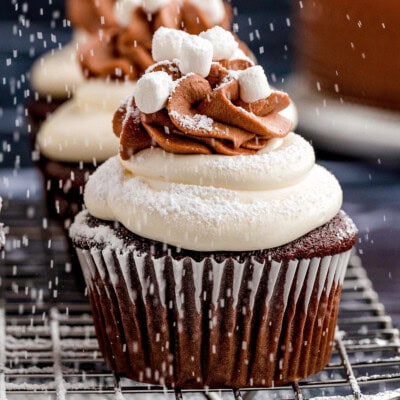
[56,75]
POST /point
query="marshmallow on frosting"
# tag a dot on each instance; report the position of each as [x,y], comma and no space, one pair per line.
[196,56]
[214,9]
[152,91]
[167,44]
[254,84]
[223,42]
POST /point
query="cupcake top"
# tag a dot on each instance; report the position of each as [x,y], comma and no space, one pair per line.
[202,100]
[123,50]
[207,161]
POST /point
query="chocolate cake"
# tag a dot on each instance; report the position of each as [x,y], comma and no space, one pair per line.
[348,49]
[192,320]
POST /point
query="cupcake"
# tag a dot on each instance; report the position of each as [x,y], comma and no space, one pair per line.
[79,136]
[56,75]
[213,247]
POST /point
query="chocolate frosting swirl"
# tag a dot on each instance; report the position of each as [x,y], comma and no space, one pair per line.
[91,15]
[125,52]
[203,116]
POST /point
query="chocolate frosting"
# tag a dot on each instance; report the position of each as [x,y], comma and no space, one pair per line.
[203,116]
[125,52]
[91,15]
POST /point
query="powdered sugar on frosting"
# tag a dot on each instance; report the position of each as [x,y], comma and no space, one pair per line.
[209,218]
[100,234]
[195,122]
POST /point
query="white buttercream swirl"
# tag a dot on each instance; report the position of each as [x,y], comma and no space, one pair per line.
[199,203]
[58,73]
[81,129]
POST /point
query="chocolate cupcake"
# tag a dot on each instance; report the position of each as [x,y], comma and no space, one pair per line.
[213,248]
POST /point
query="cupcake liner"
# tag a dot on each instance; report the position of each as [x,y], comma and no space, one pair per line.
[189,324]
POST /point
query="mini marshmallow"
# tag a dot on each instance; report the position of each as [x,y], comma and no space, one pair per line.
[167,44]
[224,43]
[254,84]
[152,6]
[196,56]
[240,55]
[123,11]
[152,91]
[214,9]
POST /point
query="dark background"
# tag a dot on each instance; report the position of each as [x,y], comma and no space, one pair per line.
[371,187]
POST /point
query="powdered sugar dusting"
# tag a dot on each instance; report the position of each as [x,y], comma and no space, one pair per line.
[169,65]
[100,234]
[221,218]
[197,122]
[380,396]
[232,75]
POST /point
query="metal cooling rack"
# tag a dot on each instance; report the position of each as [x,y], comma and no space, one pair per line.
[48,347]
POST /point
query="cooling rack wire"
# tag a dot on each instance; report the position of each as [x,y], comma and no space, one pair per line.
[48,348]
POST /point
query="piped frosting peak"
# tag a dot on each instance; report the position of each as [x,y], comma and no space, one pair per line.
[198,103]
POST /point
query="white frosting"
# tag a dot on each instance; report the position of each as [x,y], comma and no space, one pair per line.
[278,197]
[291,114]
[81,129]
[282,163]
[58,72]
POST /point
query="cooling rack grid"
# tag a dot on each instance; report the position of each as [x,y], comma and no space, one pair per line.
[48,348]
